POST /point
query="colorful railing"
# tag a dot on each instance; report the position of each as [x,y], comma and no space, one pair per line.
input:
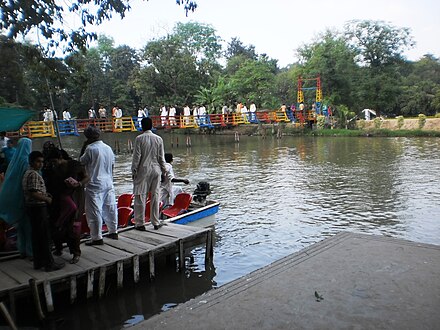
[35,129]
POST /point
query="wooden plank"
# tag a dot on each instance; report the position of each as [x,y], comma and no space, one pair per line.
[120,273]
[48,294]
[114,251]
[149,237]
[7,282]
[130,245]
[136,269]
[73,289]
[102,272]
[90,280]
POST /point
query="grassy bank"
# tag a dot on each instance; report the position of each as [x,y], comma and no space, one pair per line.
[374,132]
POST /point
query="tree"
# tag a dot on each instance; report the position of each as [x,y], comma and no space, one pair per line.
[378,43]
[331,57]
[47,18]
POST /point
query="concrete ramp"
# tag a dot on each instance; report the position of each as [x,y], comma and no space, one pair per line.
[348,281]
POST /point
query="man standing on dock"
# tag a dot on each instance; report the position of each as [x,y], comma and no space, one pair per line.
[147,167]
[98,158]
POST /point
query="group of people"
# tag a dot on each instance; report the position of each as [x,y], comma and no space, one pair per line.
[43,193]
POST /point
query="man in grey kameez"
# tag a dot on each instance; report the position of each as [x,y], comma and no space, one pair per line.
[147,167]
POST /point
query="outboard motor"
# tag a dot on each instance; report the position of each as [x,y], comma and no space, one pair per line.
[203,189]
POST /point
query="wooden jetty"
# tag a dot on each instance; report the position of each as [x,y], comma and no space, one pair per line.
[17,276]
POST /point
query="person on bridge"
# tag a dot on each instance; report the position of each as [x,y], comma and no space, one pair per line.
[147,167]
[98,158]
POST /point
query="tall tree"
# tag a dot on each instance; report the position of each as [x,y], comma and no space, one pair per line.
[47,17]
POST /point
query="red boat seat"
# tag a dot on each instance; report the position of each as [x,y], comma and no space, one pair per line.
[125,200]
[124,216]
[181,204]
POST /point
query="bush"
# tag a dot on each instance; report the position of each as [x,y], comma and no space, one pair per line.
[399,122]
[320,124]
[422,120]
[361,123]
[377,122]
[437,115]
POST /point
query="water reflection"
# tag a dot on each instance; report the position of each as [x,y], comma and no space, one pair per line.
[278,196]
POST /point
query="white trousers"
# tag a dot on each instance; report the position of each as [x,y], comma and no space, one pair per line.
[141,200]
[101,207]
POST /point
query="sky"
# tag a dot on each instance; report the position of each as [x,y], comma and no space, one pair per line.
[278,27]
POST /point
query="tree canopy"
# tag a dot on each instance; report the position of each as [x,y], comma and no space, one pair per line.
[190,66]
[47,18]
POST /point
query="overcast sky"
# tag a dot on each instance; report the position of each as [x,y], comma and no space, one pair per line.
[278,27]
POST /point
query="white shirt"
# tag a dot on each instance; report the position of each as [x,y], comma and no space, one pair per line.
[92,113]
[172,112]
[66,115]
[99,160]
[244,109]
[253,108]
[3,142]
[119,113]
[164,112]
[141,113]
[186,111]
[202,110]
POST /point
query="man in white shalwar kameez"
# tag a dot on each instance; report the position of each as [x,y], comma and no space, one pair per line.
[100,201]
[147,167]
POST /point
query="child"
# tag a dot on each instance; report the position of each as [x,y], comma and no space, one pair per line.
[167,191]
[36,200]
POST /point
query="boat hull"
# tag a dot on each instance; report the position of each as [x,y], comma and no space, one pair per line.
[200,217]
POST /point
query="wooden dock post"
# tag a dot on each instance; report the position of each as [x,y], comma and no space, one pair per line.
[181,255]
[102,272]
[209,251]
[7,316]
[48,294]
[151,263]
[73,290]
[120,273]
[136,268]
[90,280]
[36,296]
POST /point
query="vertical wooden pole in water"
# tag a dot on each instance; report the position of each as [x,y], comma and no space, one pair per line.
[136,268]
[73,292]
[36,296]
[7,316]
[209,247]
[120,273]
[102,272]
[90,279]
[151,262]
[181,255]
[48,295]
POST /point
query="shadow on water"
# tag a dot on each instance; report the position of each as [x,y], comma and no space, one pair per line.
[278,196]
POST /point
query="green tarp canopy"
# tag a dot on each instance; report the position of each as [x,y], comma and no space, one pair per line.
[11,119]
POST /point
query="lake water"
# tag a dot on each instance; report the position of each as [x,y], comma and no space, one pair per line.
[277,197]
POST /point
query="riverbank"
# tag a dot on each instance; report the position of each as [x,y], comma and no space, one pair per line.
[388,128]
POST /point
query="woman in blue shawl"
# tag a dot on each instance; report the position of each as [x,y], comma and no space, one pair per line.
[12,209]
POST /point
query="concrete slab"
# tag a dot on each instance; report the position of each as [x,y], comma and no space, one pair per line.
[366,282]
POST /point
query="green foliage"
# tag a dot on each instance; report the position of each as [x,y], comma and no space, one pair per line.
[47,16]
[437,115]
[400,121]
[378,43]
[377,122]
[320,124]
[361,123]
[421,121]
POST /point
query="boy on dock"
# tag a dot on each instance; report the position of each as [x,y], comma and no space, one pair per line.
[36,201]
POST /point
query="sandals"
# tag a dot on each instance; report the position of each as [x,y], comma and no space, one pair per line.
[74,260]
